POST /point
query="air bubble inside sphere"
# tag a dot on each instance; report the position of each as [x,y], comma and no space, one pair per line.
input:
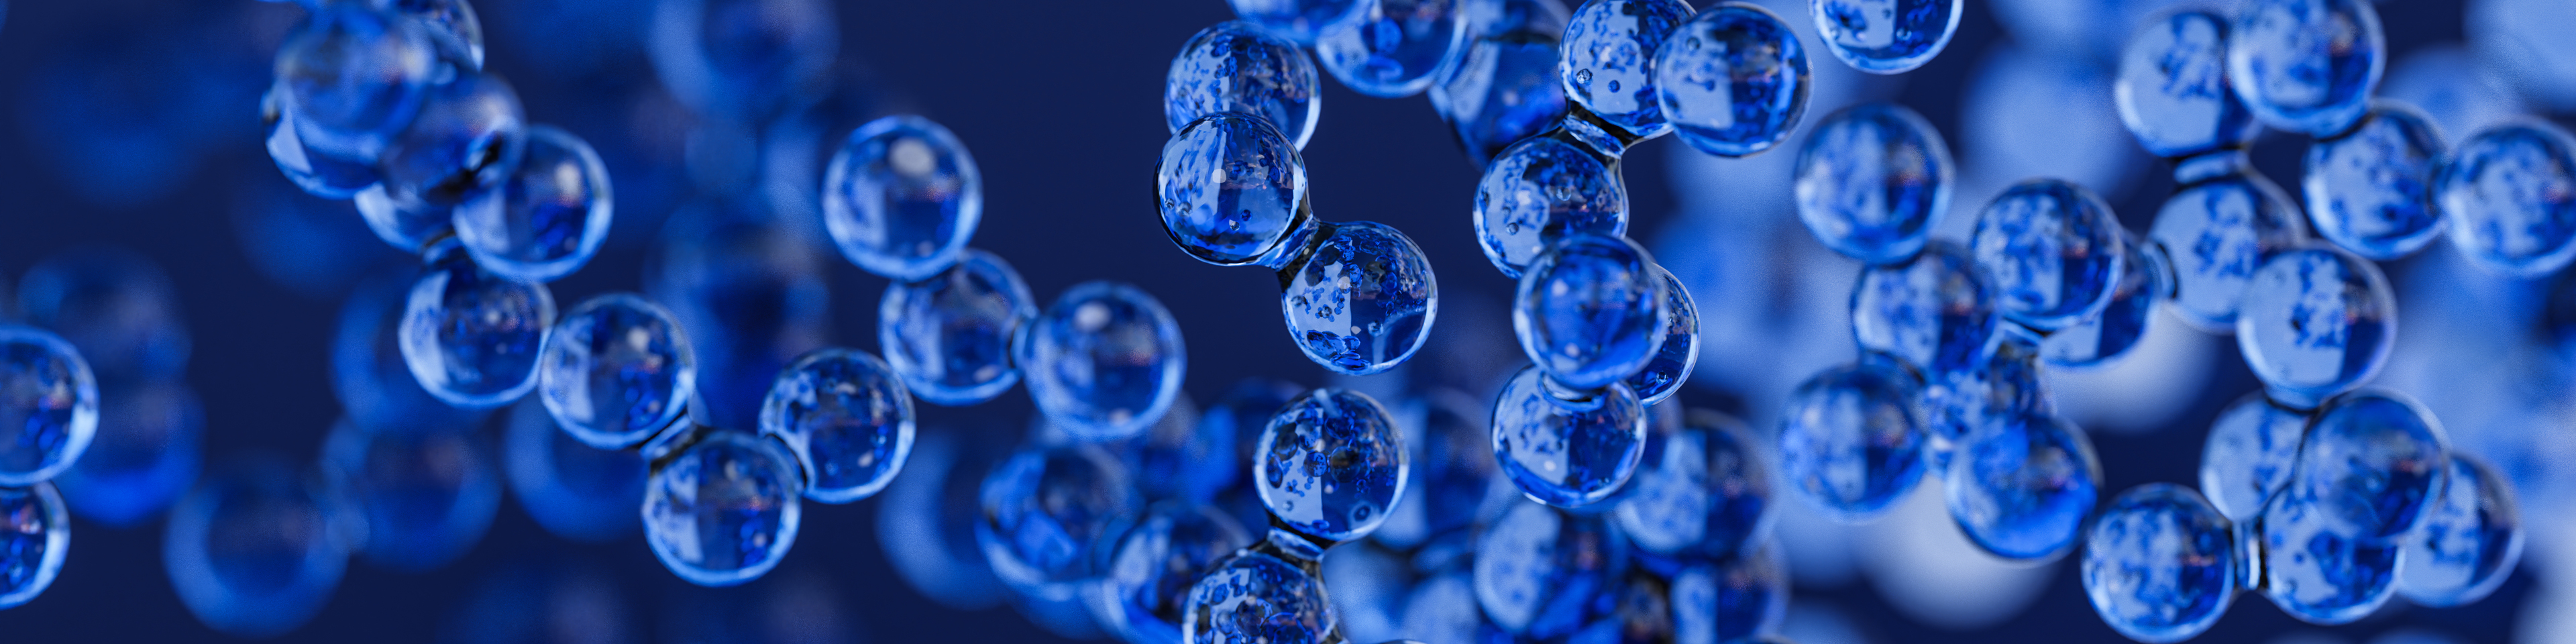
[1591,311]
[2173,90]
[2160,564]
[2022,487]
[1243,68]
[1567,449]
[950,336]
[48,405]
[2316,321]
[2252,448]
[353,76]
[545,220]
[1104,362]
[2215,234]
[1394,48]
[1043,511]
[1852,440]
[1363,301]
[1733,80]
[846,417]
[2469,543]
[469,135]
[2122,323]
[1232,190]
[421,500]
[2054,250]
[2510,195]
[2306,66]
[1704,487]
[1610,61]
[252,551]
[1254,597]
[1541,189]
[1873,181]
[1663,376]
[1503,87]
[473,338]
[1302,21]
[1885,36]
[2317,573]
[1331,465]
[2371,190]
[1146,588]
[901,197]
[724,510]
[1936,311]
[33,540]
[617,369]
[320,174]
[2373,466]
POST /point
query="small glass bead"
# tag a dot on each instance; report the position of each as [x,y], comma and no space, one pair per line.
[1537,569]
[724,510]
[1331,464]
[1704,487]
[1363,300]
[148,448]
[1241,67]
[2373,464]
[353,76]
[2306,66]
[1232,191]
[1663,376]
[48,405]
[2509,193]
[2103,338]
[2173,88]
[2054,250]
[2251,449]
[1935,311]
[1045,508]
[571,489]
[1567,451]
[318,173]
[1150,571]
[2160,564]
[616,369]
[469,136]
[1734,80]
[2023,485]
[901,197]
[2470,542]
[1852,440]
[846,418]
[419,500]
[2215,233]
[1611,52]
[547,219]
[1254,597]
[1394,48]
[251,551]
[1873,182]
[1591,311]
[1885,36]
[35,532]
[1104,361]
[1301,21]
[472,338]
[1503,87]
[2316,573]
[2316,321]
[950,336]
[2371,190]
[1541,189]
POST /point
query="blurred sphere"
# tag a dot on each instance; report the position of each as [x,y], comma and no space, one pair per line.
[318,173]
[1244,68]
[847,419]
[1873,181]
[1936,311]
[34,537]
[2371,190]
[1611,52]
[1255,597]
[354,76]
[2471,539]
[1233,191]
[251,550]
[1394,48]
[469,136]
[2306,66]
[115,306]
[949,336]
[1540,190]
[1331,464]
[1959,405]
[2173,90]
[2316,572]
[1538,569]
[1503,87]
[1148,574]
[2520,39]
[2251,449]
[2122,324]
[2054,250]
[1886,36]
[411,502]
[1302,21]
[473,338]
[1452,481]
[48,406]
[545,220]
[901,197]
[2215,233]
[1734,82]
[452,25]
[1591,311]
[926,520]
[1852,440]
[724,510]
[369,375]
[743,60]
[1363,299]
[1679,356]
[1104,361]
[2160,564]
[571,489]
[1705,487]
[616,370]
[2021,488]
[2510,194]
[407,225]
[149,446]
[2316,321]
[1567,449]
[2372,465]
[1045,509]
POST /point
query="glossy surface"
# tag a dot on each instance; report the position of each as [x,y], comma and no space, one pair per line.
[2316,321]
[1960,404]
[1104,361]
[1591,311]
[2215,233]
[473,338]
[252,551]
[1363,300]
[1542,189]
[353,76]
[318,173]
[1255,597]
[616,369]
[2509,193]
[1231,190]
[845,417]
[370,377]
[2252,447]
[408,226]
[2317,573]
[48,405]
[1663,376]
[1240,67]
[723,511]
[1611,52]
[416,501]
[1503,87]
[2173,89]
[1567,451]
[1302,21]
[1043,512]
[1538,569]
[1873,182]
[1331,465]
[1145,588]
[545,220]
[2022,487]
[35,534]
[1732,80]
[1704,487]
[1885,36]
[901,197]
[2054,250]
[2160,564]
[949,336]
[2306,66]
[2106,337]
[469,135]
[1394,48]
[2371,190]
[2471,541]
[2373,466]
[1852,440]
[1935,311]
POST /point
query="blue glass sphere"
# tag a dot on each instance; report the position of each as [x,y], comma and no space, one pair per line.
[1734,80]
[353,76]
[1182,458]
[2373,465]
[616,369]
[2121,324]
[2316,321]
[1149,572]
[473,338]
[1663,376]
[901,197]
[545,220]
[1885,36]
[846,417]
[2252,447]
[148,448]
[416,501]
[2160,564]
[2022,486]
[1592,311]
[2054,250]
[950,336]
[1960,404]
[1395,48]
[1331,465]
[1704,487]
[1503,87]
[1445,605]
[1611,52]
[1541,189]
[369,374]
[252,550]
[48,405]
[1873,182]
[1244,68]
[2510,194]
[1539,569]
[1567,449]
[1045,509]
[1233,191]
[723,510]
[1852,440]
[2470,542]
[318,173]
[1301,21]
[469,136]
[2173,89]
[1104,361]
[2317,573]
[1363,300]
[571,489]
[2371,190]
[2306,66]
[409,226]
[452,25]
[1256,597]
[33,540]
[1935,311]
[2215,233]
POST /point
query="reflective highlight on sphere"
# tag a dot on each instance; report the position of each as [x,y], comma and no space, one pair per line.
[1885,36]
[1394,48]
[1253,597]
[2173,90]
[1873,180]
[251,551]
[1104,362]
[1935,311]
[547,219]
[1663,376]
[1567,451]
[1044,509]
[2470,541]
[2316,321]
[1705,487]
[1363,301]
[1503,87]
[1852,440]
[1734,80]
[472,338]
[2110,334]
[2022,487]
[35,532]
[1541,189]
[1591,311]
[318,173]
[846,418]
[616,369]
[48,405]
[2371,190]
[1146,588]
[2251,450]
[571,489]
[1241,67]
[950,336]
[1538,570]
[2510,195]
[149,446]
[469,135]
[417,501]
[724,510]
[2306,66]
[1232,190]
[2373,466]
[354,75]
[2319,574]
[1302,21]
[2215,234]
[1331,465]
[2054,251]
[901,197]
[1610,58]
[2160,564]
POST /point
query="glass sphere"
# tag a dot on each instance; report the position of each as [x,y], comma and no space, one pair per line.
[1044,511]
[1104,361]
[1244,68]
[1960,404]
[2316,321]
[1233,191]
[1542,189]
[571,489]
[1563,448]
[1873,181]
[1331,464]
[115,306]
[48,405]
[2251,449]
[419,501]
[1236,420]
[1852,440]
[369,375]
[2160,564]
[1538,569]
[2316,572]
[2107,336]
[353,76]
[901,197]
[1935,311]
[2510,194]
[1611,53]
[2371,190]
[1301,21]
[545,220]
[2373,465]
[252,551]
[318,173]
[1592,311]
[473,338]
[2306,66]
[2054,250]
[847,419]
[1885,36]
[1151,569]
[1394,48]
[2173,88]
[148,448]
[35,534]
[950,336]
[2471,539]
[2215,234]
[1663,376]
[2021,487]
[1363,300]
[723,510]
[1734,80]
[1503,87]
[1704,487]
[1254,597]
[469,136]
[408,226]
[616,369]
[452,25]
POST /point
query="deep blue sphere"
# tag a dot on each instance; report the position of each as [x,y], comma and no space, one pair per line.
[318,173]
[1852,440]
[2022,486]
[1146,585]
[33,540]
[1611,56]
[148,448]
[545,220]
[1256,597]
[2372,465]
[2510,195]
[1395,48]
[1567,449]
[115,306]
[1331,465]
[353,76]
[2215,233]
[926,520]
[1704,487]
[1885,36]
[1104,361]
[1503,87]
[1542,189]
[573,490]
[469,136]
[616,369]
[1935,311]
[408,226]
[1959,404]
[1362,301]
[1241,67]
[2121,324]
[1873,182]
[1592,311]
[369,375]
[2173,88]
[421,500]
[1539,569]
[2316,572]
[2160,564]
[252,550]
[2306,66]
[1233,191]
[724,510]
[2371,190]
[950,336]
[1752,592]
[1663,376]
[2252,447]
[48,405]
[2470,542]
[847,419]
[1302,21]
[473,338]
[2054,250]
[1733,80]
[1044,512]
[741,60]
[2316,321]
[901,197]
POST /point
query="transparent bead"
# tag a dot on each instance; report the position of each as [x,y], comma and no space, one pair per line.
[1232,191]
[901,197]
[846,417]
[408,225]
[1104,361]
[2470,542]
[1705,487]
[1362,301]
[1331,465]
[1452,479]
[1885,36]
[2371,190]
[1150,571]
[2372,465]
[1503,87]
[1959,404]
[2252,446]
[1610,52]
[2160,564]
[2510,194]
[452,25]
[616,370]
[1394,48]
[1256,597]
[1044,511]
[1734,80]
[724,510]
[1301,21]
[545,220]
[1538,569]
[2317,573]
[1241,67]
[571,489]
[743,60]
[2022,486]
[34,536]
[950,336]
[148,448]
[2105,337]
[2054,250]
[2306,66]
[1567,449]
[251,551]
[2316,321]
[1873,181]
[473,338]
[318,173]
[1663,376]
[48,405]
[2215,233]
[115,306]
[2173,88]
[1852,440]
[411,502]
[353,76]
[1539,190]
[1591,311]
[469,136]
[1935,311]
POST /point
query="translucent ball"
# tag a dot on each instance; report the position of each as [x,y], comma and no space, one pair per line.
[1960,404]
[407,225]
[1302,21]
[2510,194]
[149,446]
[2105,337]
[1852,440]
[1935,311]
[1503,86]
[2306,66]
[32,541]
[950,336]
[1704,487]
[115,306]
[1885,36]
[1395,48]
[451,24]
[2371,190]
[1244,68]
[353,76]
[2022,487]
[1567,449]
[901,197]
[1331,464]
[2470,542]
[2054,250]
[1233,191]
[724,510]
[1538,569]
[1151,569]
[1539,190]
[1734,81]
[420,500]
[48,405]
[1104,361]
[547,219]
[741,60]
[469,136]
[2373,464]
[847,419]
[1610,52]
[1591,311]
[2215,233]
[1663,376]
[473,338]
[252,550]
[2316,572]
[616,370]
[1363,301]
[1873,181]
[571,489]
[1044,509]
[2160,564]
[2316,321]
[318,173]
[2173,88]
[2251,449]
[1253,597]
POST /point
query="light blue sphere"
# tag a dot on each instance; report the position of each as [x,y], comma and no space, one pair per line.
[147,451]
[950,336]
[1395,48]
[1567,449]
[1852,440]
[1300,21]
[48,405]
[416,501]
[1146,585]
[2509,193]
[2316,321]
[1663,376]
[354,75]
[252,551]
[2105,337]
[615,370]
[2371,190]
[2173,90]
[1592,311]
[845,416]
[1257,597]
[1542,189]
[2373,465]
[901,197]
[1873,182]
[1733,80]
[573,490]
[1611,55]
[1885,36]
[1362,301]
[2251,449]
[2316,572]
[469,135]
[2306,66]
[545,220]
[473,338]
[2054,250]
[1936,311]
[1331,465]
[1233,191]
[1704,487]
[1538,570]
[724,510]
[32,542]
[1244,68]
[1104,361]
[2022,486]
[2215,233]
[1044,512]
[1960,404]
[2470,542]
[1503,87]
[2160,564]
[318,173]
